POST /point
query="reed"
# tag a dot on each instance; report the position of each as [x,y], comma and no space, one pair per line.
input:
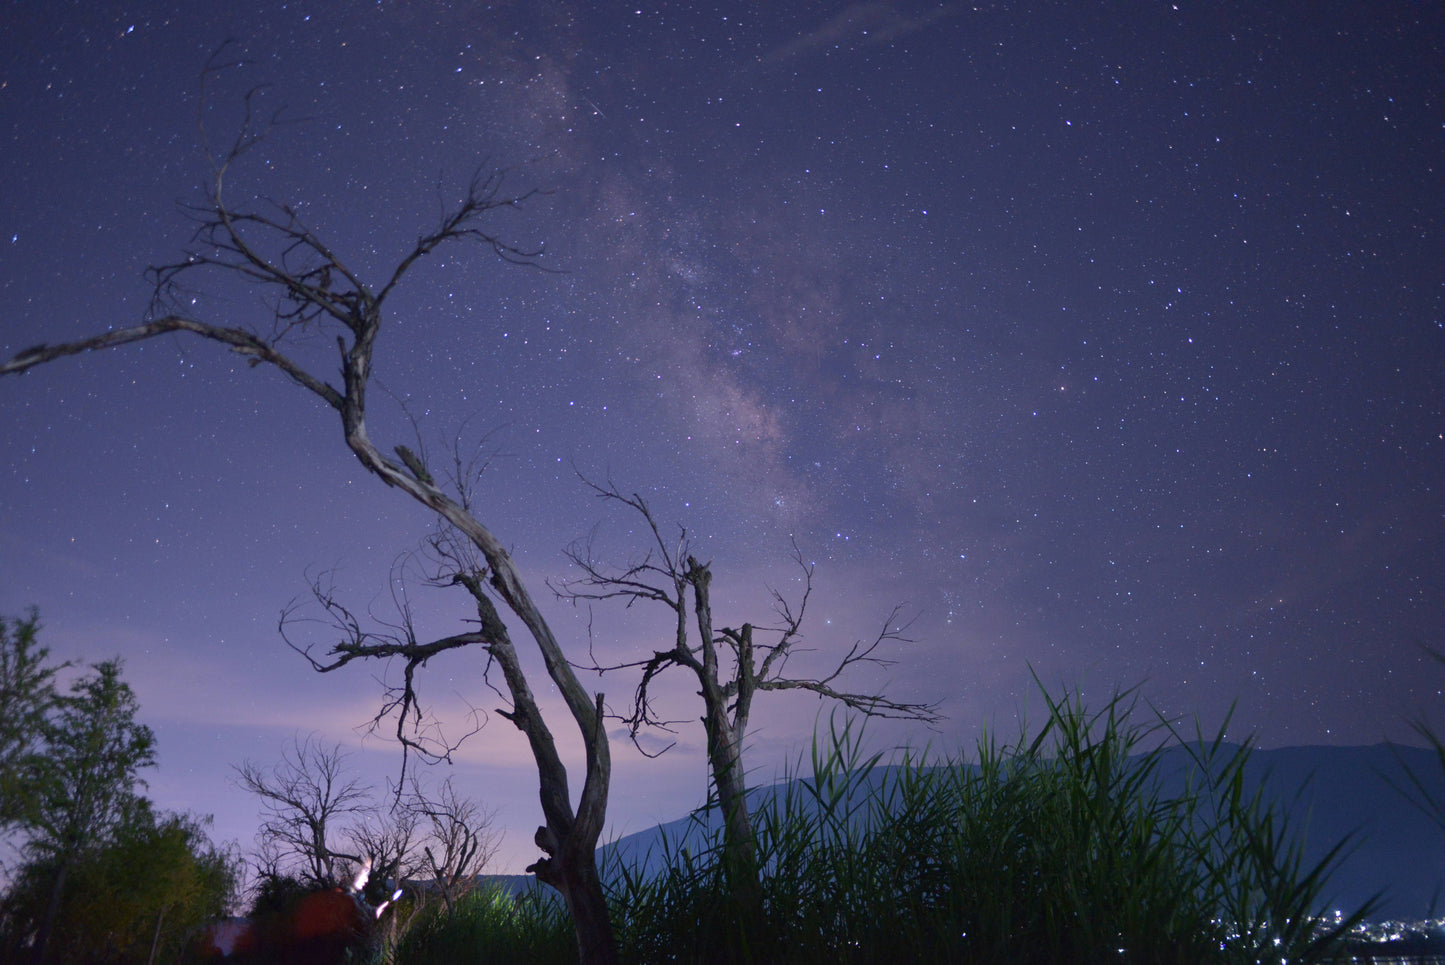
[491,927]
[1058,847]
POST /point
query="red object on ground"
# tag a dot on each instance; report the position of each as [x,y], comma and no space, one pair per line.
[322,928]
[329,913]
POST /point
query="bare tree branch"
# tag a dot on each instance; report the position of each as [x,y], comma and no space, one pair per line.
[303,797]
[730,665]
[390,846]
[415,729]
[461,842]
[240,341]
[268,247]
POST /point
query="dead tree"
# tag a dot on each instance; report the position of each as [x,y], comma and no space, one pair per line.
[304,799]
[731,665]
[460,840]
[313,290]
[389,845]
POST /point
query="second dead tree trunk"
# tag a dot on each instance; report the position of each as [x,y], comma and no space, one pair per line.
[731,665]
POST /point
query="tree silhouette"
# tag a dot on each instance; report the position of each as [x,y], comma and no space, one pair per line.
[460,841]
[95,750]
[304,798]
[28,698]
[312,291]
[731,665]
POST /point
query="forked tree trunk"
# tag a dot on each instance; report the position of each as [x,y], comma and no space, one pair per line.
[327,296]
[725,759]
[568,838]
[725,734]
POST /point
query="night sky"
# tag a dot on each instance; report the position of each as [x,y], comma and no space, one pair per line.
[1109,338]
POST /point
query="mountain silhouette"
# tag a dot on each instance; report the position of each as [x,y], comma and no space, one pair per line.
[1328,794]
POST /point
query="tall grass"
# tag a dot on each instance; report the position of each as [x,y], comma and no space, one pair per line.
[1061,848]
[491,927]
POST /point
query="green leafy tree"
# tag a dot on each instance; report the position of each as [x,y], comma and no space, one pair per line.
[94,751]
[102,877]
[27,700]
[137,897]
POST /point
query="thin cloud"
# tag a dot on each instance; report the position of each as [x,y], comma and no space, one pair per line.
[857,25]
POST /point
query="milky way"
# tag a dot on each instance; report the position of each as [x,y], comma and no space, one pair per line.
[1108,340]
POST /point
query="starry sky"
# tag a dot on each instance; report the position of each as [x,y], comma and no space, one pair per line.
[1107,338]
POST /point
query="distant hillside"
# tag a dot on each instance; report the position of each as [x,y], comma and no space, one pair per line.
[1328,792]
[1332,792]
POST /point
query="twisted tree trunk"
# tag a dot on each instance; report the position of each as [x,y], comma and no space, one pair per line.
[314,290]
